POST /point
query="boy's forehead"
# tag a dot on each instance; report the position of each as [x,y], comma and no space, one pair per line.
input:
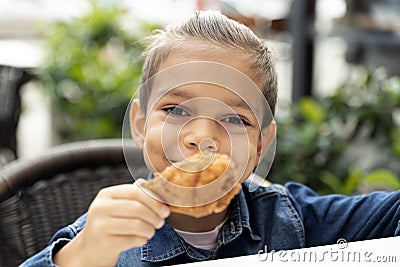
[222,76]
[200,51]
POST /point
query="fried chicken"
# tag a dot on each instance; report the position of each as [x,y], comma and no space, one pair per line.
[199,186]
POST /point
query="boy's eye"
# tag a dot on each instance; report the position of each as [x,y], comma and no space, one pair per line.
[176,111]
[235,120]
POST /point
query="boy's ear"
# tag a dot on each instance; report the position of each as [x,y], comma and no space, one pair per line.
[137,121]
[267,135]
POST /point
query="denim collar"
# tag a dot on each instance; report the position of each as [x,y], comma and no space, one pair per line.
[167,244]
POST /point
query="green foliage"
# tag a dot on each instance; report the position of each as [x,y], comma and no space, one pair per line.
[92,70]
[348,142]
[384,177]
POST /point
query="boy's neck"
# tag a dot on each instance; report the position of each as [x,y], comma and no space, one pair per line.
[191,224]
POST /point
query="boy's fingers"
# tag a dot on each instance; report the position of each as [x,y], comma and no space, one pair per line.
[132,209]
[133,192]
[160,208]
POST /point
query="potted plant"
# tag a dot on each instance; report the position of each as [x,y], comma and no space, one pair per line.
[92,70]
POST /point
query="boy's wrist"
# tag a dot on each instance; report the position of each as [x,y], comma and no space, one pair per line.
[71,255]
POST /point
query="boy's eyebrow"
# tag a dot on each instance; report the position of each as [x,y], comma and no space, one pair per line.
[174,93]
[184,94]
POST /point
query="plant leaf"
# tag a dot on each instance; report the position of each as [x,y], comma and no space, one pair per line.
[382,177]
[311,110]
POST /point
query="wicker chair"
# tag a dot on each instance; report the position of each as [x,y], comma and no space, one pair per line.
[39,196]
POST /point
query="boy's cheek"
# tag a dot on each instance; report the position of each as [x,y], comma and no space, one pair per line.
[153,149]
[160,147]
[245,157]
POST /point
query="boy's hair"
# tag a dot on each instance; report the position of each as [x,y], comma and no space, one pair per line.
[217,30]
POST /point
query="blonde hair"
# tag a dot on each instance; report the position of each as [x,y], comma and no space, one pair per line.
[215,29]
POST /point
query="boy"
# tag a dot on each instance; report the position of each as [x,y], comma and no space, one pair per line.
[176,118]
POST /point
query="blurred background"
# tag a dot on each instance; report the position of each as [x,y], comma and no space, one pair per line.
[69,68]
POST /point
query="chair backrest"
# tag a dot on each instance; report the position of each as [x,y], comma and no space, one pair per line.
[11,80]
[38,196]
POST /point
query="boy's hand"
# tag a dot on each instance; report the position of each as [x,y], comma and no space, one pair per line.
[119,218]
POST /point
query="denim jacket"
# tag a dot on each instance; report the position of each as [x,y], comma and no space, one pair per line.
[274,217]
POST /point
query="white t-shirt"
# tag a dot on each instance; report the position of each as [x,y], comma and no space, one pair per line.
[203,240]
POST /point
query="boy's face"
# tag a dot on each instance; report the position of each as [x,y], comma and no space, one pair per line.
[200,116]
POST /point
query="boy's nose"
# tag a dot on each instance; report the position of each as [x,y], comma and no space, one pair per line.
[202,134]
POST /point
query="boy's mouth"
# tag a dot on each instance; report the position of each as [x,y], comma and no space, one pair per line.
[190,156]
